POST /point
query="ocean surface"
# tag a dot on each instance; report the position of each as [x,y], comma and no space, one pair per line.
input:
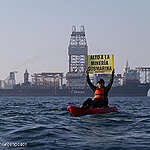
[43,123]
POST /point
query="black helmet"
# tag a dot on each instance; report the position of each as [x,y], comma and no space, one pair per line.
[101,81]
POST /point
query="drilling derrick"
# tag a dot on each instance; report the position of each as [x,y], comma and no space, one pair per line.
[77,51]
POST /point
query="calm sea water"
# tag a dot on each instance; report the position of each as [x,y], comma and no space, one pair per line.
[43,123]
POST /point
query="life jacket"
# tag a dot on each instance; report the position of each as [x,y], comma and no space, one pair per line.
[99,93]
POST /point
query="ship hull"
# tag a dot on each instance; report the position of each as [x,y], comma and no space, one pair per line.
[130,91]
[138,90]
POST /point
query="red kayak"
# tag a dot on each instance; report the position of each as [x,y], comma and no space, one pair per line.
[77,111]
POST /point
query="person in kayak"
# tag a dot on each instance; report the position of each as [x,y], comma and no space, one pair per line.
[100,98]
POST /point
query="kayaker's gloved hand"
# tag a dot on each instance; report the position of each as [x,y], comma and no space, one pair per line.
[113,71]
[86,72]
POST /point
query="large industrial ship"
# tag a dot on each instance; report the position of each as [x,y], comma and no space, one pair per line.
[129,87]
[52,84]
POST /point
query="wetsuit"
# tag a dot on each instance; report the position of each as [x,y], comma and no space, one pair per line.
[97,103]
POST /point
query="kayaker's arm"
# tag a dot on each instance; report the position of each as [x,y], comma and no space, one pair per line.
[108,87]
[93,87]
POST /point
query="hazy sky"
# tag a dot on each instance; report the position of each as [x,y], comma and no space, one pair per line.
[35,34]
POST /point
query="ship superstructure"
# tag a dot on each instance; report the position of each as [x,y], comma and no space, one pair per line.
[131,76]
[9,82]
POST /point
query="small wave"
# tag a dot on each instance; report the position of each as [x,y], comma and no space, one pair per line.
[30,130]
[58,109]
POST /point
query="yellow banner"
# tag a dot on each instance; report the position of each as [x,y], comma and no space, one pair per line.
[100,64]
